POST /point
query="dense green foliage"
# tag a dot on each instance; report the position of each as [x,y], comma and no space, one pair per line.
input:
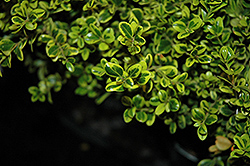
[185,62]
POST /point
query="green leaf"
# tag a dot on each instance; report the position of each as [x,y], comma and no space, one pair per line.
[151,119]
[91,38]
[6,46]
[131,112]
[108,35]
[213,95]
[219,26]
[160,109]
[179,26]
[134,70]
[114,87]
[144,78]
[71,51]
[181,78]
[182,121]
[183,34]
[113,70]
[45,38]
[180,87]
[174,105]
[172,127]
[164,46]
[66,7]
[117,2]
[103,46]
[19,53]
[30,26]
[17,20]
[180,48]
[138,14]
[98,71]
[198,114]
[141,116]
[126,29]
[81,91]
[165,82]
[70,66]
[61,38]
[239,142]
[38,12]
[239,69]
[155,101]
[95,30]
[202,132]
[224,110]
[129,83]
[204,105]
[139,39]
[205,59]
[162,94]
[53,51]
[189,62]
[195,23]
[206,162]
[226,53]
[126,101]
[170,71]
[127,118]
[211,119]
[226,89]
[104,16]
[138,101]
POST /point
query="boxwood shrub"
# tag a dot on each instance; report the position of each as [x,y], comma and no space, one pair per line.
[183,62]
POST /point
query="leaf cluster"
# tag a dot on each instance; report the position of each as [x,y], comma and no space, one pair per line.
[185,62]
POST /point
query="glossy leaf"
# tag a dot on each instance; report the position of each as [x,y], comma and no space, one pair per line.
[174,105]
[160,109]
[138,101]
[6,46]
[126,29]
[172,127]
[226,53]
[162,94]
[70,67]
[104,16]
[211,119]
[95,30]
[144,78]
[179,26]
[127,118]
[195,23]
[17,20]
[141,116]
[181,78]
[198,114]
[113,70]
[98,71]
[205,59]
[91,38]
[108,35]
[202,132]
[103,46]
[189,62]
[151,119]
[170,71]
[114,87]
[134,70]
[226,89]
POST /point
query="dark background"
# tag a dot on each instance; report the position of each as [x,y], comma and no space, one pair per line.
[74,131]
